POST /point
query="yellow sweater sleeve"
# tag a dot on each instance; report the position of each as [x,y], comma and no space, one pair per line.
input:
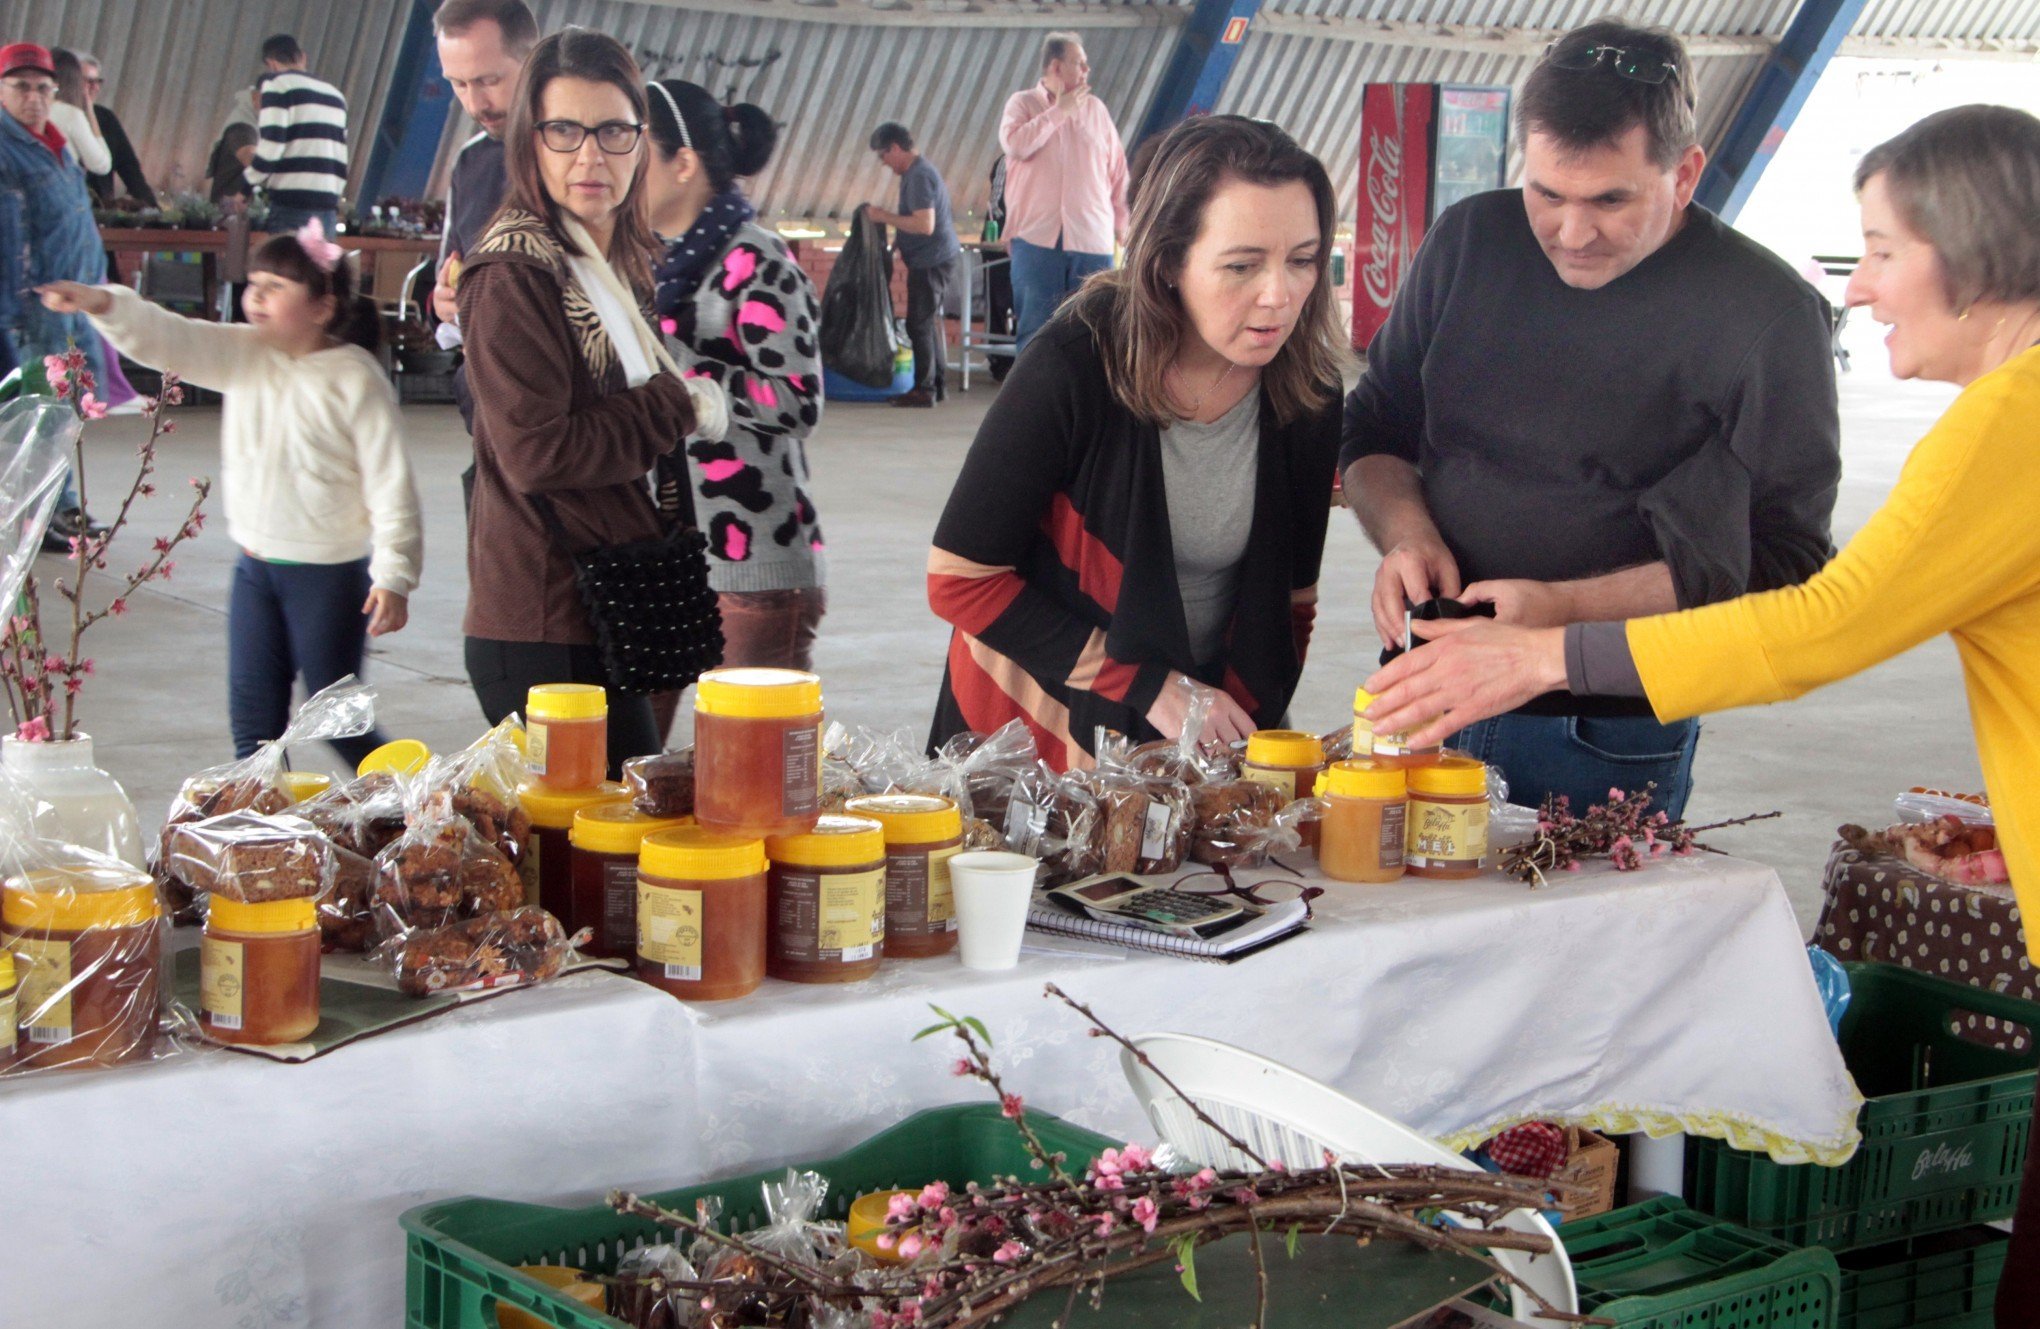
[1956,538]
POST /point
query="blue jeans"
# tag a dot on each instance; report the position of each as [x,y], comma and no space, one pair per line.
[290,619]
[285,221]
[1584,756]
[1042,277]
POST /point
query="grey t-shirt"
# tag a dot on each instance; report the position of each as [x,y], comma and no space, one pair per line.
[921,187]
[1209,472]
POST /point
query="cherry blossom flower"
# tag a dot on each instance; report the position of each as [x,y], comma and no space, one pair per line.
[900,1208]
[1146,1213]
[91,407]
[35,729]
[911,1245]
[934,1194]
[1008,1252]
[1011,1105]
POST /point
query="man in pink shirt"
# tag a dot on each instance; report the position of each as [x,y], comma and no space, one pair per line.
[1065,183]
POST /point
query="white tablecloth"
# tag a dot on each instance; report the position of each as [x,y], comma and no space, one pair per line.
[225,1190]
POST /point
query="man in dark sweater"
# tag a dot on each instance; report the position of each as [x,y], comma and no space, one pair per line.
[1592,400]
[482,45]
[925,236]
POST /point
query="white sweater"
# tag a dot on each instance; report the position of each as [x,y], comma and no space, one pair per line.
[82,131]
[312,449]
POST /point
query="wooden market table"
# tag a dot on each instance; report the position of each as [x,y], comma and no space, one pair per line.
[390,259]
[219,1188]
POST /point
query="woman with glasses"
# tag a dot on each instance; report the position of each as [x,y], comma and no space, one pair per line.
[1951,262]
[574,399]
[71,112]
[742,314]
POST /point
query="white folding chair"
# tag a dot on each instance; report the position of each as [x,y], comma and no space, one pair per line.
[1287,1116]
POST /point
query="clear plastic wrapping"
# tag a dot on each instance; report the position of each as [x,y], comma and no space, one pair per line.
[256,858]
[1053,818]
[86,943]
[1919,806]
[497,950]
[1144,822]
[662,785]
[1240,823]
[255,783]
[443,868]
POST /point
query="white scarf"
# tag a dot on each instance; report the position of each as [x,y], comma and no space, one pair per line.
[641,352]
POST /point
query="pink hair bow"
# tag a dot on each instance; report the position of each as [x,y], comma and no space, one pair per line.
[323,252]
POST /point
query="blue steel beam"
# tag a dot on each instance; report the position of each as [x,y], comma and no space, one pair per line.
[1203,60]
[413,118]
[1780,89]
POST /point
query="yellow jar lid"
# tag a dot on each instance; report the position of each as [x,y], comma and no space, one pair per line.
[554,809]
[695,853]
[835,842]
[615,828]
[1361,778]
[6,969]
[565,701]
[72,899]
[758,694]
[303,786]
[1452,776]
[1285,747]
[910,818]
[403,756]
[271,916]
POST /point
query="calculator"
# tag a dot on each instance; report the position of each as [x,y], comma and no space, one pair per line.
[1147,904]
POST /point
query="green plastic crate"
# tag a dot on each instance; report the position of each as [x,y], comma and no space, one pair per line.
[1661,1265]
[463,1254]
[1944,1130]
[1945,1281]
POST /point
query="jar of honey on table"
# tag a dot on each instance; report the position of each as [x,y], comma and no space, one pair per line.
[758,751]
[701,914]
[259,971]
[825,902]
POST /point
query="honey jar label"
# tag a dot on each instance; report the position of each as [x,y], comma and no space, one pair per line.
[534,746]
[617,928]
[222,980]
[669,930]
[1394,833]
[1447,834]
[44,997]
[802,783]
[919,901]
[1283,780]
[831,918]
[1026,823]
[941,896]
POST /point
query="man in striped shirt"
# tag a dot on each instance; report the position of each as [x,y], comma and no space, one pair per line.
[302,158]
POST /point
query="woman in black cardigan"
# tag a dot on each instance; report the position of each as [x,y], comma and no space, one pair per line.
[1147,499]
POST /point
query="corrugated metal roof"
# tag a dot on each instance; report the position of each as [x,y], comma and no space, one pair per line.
[173,67]
[942,68]
[830,84]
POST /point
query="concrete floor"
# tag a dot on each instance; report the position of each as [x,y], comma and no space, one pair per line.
[158,704]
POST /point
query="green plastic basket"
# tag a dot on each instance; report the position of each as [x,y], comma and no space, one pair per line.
[1944,1131]
[463,1254]
[1661,1265]
[1945,1281]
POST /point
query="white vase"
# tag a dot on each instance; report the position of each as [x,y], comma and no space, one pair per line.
[85,805]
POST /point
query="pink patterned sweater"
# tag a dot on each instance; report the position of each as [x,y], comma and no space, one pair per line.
[756,321]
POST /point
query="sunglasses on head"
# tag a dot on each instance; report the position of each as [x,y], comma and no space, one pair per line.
[1636,66]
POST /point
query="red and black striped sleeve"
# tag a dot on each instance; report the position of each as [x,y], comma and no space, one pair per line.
[1008,514]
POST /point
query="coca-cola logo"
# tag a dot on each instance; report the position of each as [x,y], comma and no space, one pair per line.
[1383,182]
[1942,1161]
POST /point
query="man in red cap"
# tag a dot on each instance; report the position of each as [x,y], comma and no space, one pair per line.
[47,233]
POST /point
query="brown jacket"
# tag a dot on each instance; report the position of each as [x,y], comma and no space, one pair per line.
[553,418]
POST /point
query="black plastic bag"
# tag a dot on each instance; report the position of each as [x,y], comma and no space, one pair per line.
[859,336]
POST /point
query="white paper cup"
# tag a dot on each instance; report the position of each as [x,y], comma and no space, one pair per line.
[992,890]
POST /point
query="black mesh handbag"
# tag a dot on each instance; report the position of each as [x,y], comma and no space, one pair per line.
[656,621]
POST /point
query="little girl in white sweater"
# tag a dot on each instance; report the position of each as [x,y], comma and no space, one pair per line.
[314,472]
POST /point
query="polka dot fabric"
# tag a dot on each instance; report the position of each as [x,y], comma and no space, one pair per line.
[1881,909]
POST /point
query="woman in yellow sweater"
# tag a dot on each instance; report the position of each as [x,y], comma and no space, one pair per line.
[1951,261]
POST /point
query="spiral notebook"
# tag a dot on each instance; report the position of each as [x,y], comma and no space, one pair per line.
[1264,927]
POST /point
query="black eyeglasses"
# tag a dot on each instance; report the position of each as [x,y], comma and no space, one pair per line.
[1636,66]
[615,137]
[1266,892]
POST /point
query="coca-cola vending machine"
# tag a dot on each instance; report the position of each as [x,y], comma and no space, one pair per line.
[1423,147]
